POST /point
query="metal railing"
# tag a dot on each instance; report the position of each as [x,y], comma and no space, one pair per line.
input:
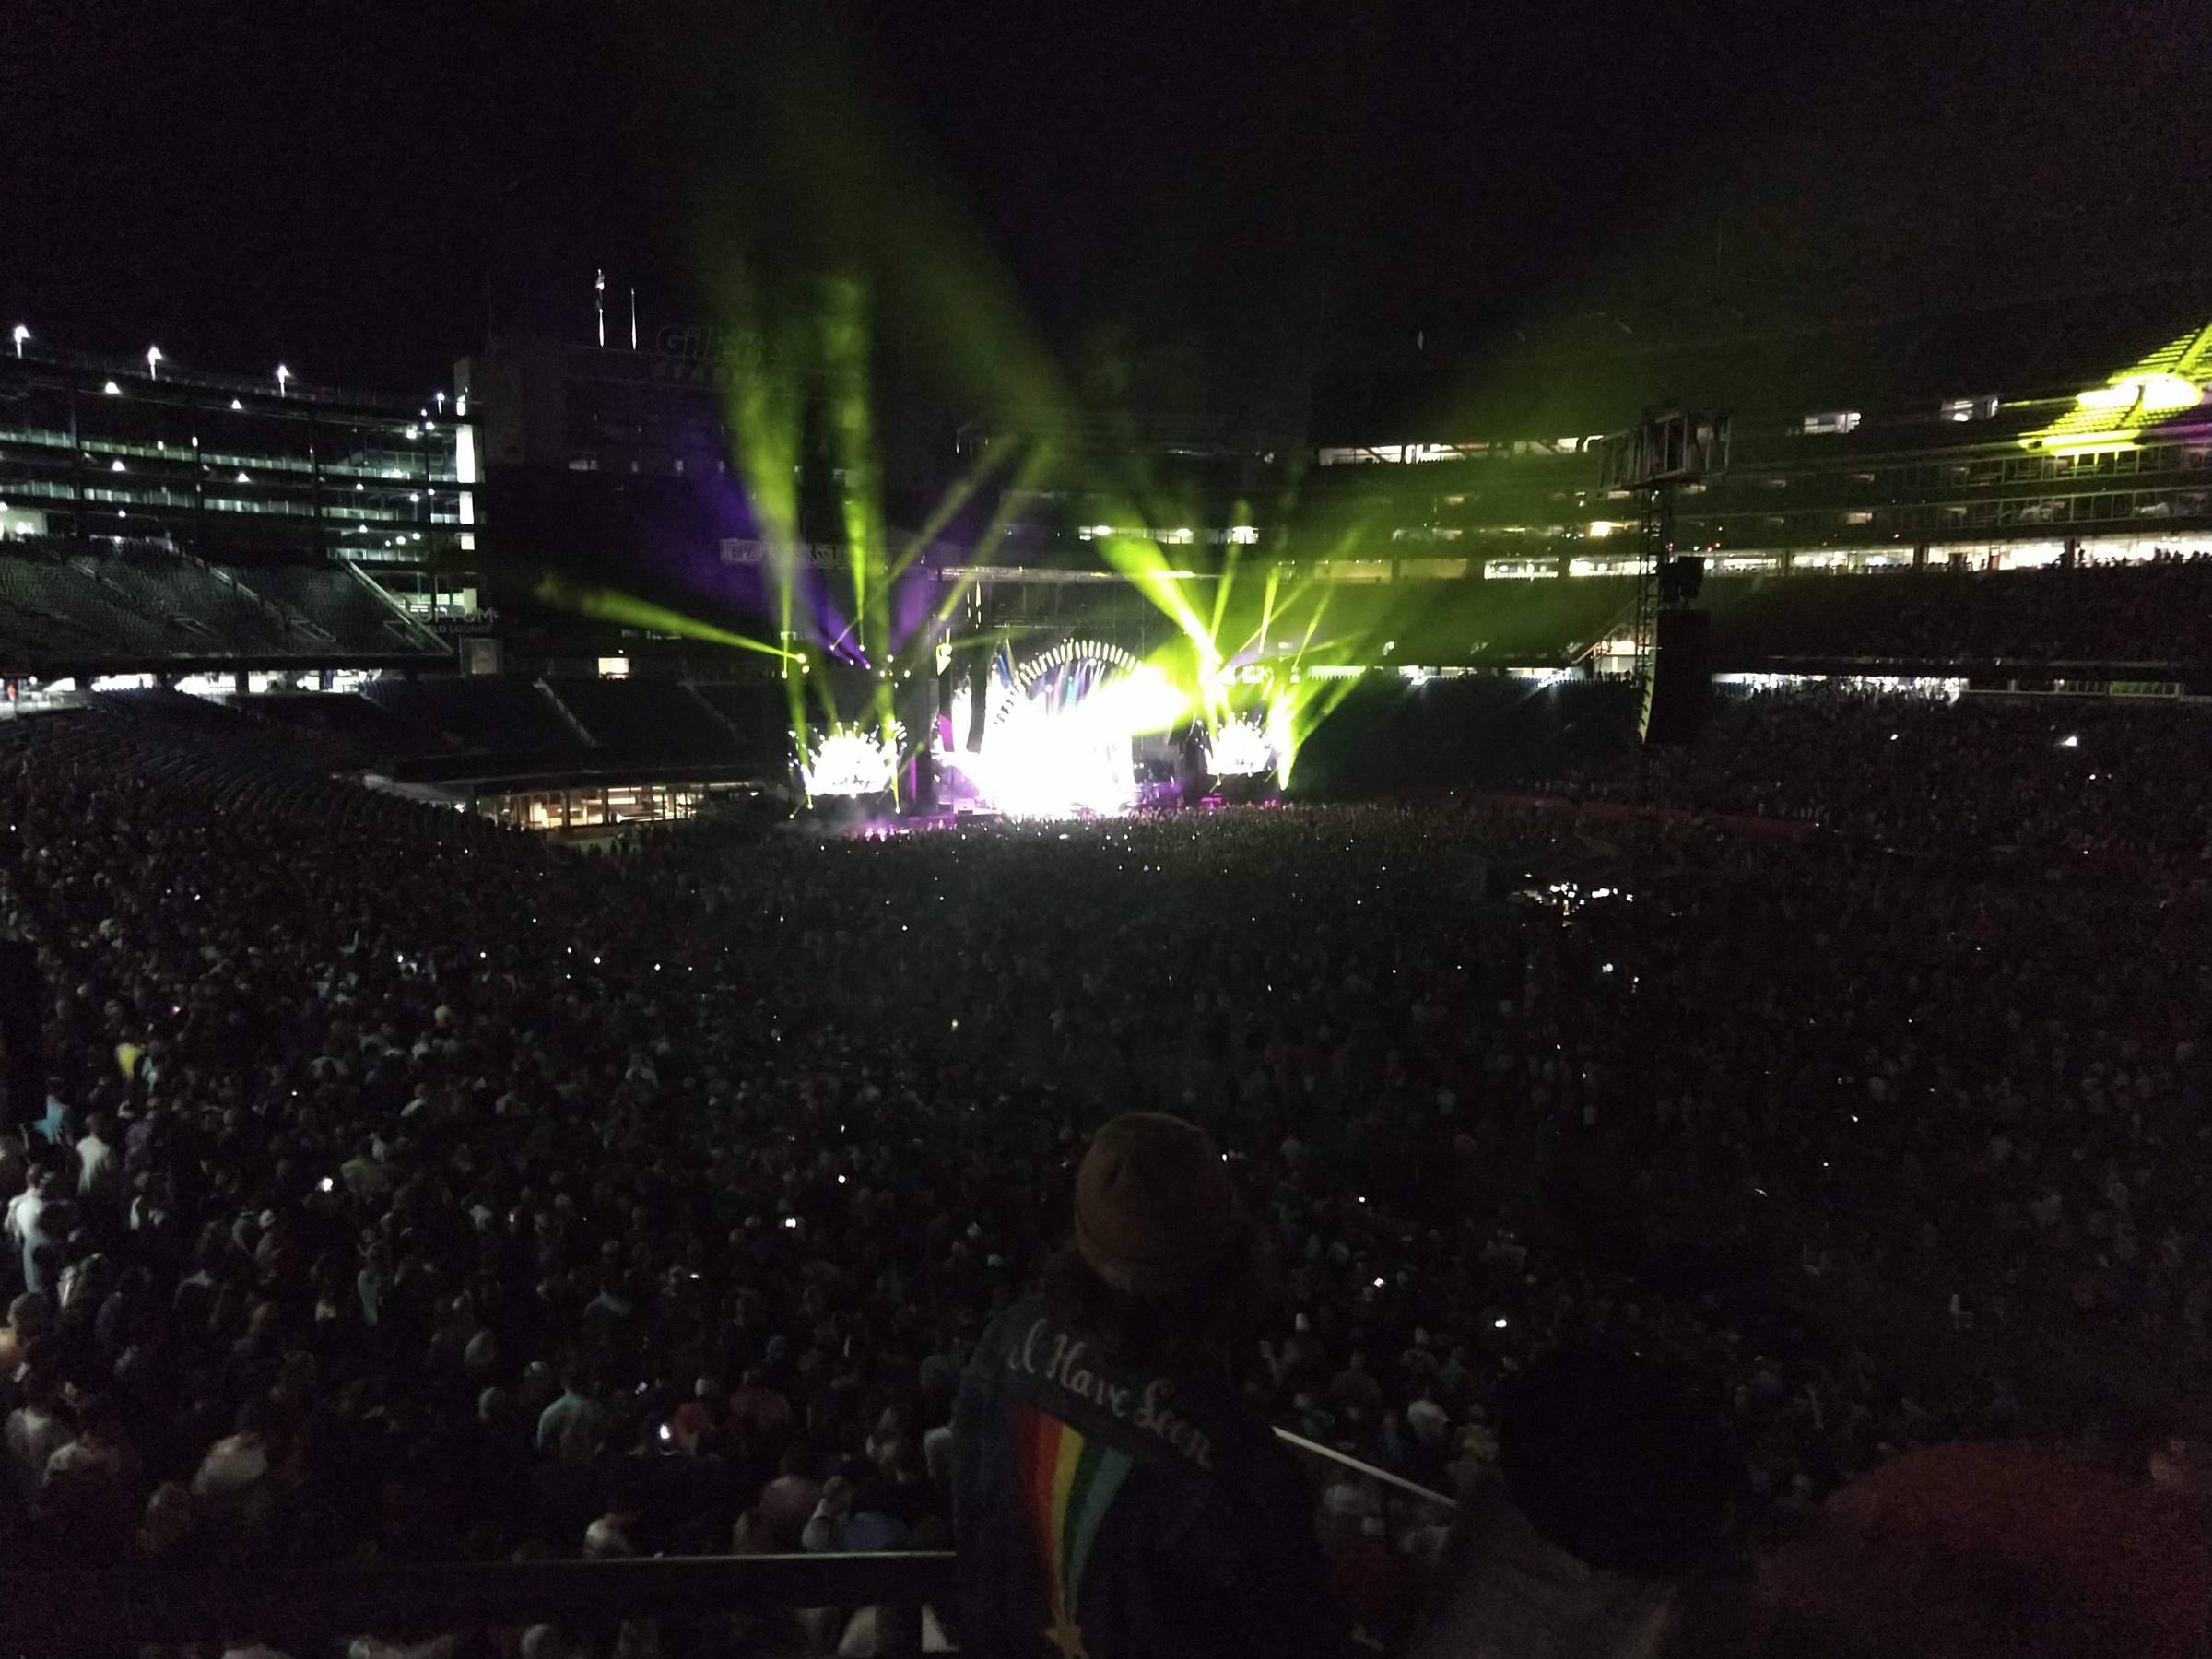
[91,364]
[1363,1512]
[116,1610]
[1299,1446]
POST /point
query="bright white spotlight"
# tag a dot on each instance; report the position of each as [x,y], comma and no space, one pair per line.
[2153,394]
[1044,758]
[1237,747]
[1060,737]
[1282,735]
[153,362]
[853,760]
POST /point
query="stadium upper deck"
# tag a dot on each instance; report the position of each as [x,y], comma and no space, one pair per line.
[94,448]
[1993,439]
[157,517]
[1420,502]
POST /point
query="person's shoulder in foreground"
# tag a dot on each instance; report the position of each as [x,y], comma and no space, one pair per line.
[1113,1495]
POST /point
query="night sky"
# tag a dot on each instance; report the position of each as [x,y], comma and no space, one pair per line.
[1213,193]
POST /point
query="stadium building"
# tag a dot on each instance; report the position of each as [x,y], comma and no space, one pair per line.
[2000,441]
[300,564]
[1990,440]
[1448,518]
[157,516]
[553,595]
[1458,519]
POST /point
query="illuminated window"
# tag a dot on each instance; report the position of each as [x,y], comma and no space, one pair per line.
[1833,423]
[614,668]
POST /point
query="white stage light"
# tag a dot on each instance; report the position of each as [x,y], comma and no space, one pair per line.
[853,762]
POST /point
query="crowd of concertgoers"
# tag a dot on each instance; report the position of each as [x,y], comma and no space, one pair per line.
[2050,776]
[417,1191]
[2147,614]
[2151,612]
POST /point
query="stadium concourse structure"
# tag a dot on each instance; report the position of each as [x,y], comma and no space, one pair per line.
[524,596]
[275,579]
[1447,511]
[1894,480]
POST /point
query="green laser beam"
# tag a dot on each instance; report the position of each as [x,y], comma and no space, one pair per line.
[607,604]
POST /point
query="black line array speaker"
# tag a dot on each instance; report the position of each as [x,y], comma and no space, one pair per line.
[1680,577]
[979,702]
[1681,677]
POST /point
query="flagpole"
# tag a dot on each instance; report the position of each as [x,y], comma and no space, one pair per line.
[633,319]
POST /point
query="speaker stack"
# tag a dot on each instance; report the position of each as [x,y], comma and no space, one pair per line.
[1681,677]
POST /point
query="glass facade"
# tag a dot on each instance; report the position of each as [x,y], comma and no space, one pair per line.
[231,470]
[549,404]
[1807,496]
[600,805]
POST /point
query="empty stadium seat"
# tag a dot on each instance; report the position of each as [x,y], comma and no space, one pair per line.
[646,718]
[77,603]
[486,716]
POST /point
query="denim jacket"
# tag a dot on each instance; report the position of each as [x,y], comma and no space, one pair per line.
[1111,1512]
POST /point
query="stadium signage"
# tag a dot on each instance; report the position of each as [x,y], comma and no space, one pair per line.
[837,556]
[819,556]
[737,348]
